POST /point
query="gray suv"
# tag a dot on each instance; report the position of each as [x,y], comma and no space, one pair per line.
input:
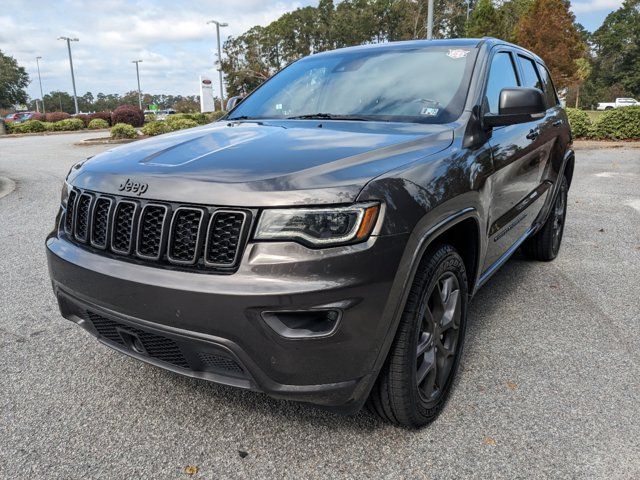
[322,241]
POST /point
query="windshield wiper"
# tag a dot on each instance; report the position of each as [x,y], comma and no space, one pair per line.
[243,117]
[328,116]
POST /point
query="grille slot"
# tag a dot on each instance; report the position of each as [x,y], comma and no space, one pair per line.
[185,235]
[223,238]
[219,362]
[71,204]
[150,231]
[100,222]
[83,208]
[122,232]
[156,346]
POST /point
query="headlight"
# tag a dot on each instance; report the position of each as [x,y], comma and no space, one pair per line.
[319,227]
[64,195]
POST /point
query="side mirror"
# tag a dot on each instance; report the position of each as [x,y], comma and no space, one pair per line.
[517,105]
[233,101]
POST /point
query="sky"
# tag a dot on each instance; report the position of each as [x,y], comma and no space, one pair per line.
[171,38]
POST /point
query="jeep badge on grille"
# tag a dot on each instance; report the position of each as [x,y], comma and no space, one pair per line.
[134,187]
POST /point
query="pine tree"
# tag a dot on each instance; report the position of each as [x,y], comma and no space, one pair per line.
[484,21]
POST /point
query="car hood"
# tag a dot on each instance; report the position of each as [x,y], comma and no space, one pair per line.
[266,163]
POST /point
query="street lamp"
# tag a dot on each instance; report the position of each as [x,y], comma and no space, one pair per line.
[40,81]
[73,78]
[218,25]
[138,75]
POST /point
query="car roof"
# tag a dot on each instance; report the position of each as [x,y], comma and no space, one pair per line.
[449,42]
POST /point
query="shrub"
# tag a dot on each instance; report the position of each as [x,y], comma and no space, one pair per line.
[181,124]
[68,124]
[579,122]
[128,114]
[39,116]
[123,130]
[56,116]
[97,123]
[84,117]
[618,124]
[213,116]
[155,128]
[150,117]
[30,126]
[106,116]
[48,126]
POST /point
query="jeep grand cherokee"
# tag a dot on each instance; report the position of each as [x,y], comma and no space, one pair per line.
[321,242]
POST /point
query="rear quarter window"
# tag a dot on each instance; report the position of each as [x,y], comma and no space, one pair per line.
[549,90]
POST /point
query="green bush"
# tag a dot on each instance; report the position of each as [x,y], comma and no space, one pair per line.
[48,126]
[97,123]
[579,122]
[181,124]
[618,124]
[123,130]
[213,116]
[31,126]
[68,124]
[155,128]
[150,117]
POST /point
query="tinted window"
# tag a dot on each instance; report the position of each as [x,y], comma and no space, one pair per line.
[502,74]
[530,74]
[552,99]
[421,84]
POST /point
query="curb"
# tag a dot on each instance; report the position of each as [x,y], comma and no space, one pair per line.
[6,186]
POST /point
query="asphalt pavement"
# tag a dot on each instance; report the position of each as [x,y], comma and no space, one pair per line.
[548,387]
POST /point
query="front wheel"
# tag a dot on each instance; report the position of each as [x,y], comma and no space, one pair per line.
[545,244]
[416,379]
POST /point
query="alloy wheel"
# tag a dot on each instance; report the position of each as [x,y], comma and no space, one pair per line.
[438,337]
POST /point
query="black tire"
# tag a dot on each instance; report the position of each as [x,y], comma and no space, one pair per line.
[399,396]
[545,244]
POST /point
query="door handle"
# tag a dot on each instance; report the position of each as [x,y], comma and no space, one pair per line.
[533,134]
[557,123]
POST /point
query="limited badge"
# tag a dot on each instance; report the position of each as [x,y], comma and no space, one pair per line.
[457,53]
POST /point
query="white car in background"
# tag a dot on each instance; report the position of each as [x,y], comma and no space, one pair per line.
[620,102]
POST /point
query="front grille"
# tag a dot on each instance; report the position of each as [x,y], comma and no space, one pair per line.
[196,238]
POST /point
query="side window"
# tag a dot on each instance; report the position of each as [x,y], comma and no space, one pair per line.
[502,74]
[549,90]
[530,73]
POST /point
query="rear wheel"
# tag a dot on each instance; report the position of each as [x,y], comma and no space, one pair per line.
[545,244]
[416,379]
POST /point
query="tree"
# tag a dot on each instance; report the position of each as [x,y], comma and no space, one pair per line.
[13,81]
[484,21]
[583,70]
[617,49]
[549,30]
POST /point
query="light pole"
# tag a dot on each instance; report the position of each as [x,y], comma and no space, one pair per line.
[73,78]
[430,20]
[40,81]
[218,25]
[138,75]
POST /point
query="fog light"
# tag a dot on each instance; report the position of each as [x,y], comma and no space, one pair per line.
[303,323]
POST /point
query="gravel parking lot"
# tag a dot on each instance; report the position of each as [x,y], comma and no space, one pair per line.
[548,386]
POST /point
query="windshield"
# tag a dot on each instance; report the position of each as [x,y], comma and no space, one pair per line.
[426,84]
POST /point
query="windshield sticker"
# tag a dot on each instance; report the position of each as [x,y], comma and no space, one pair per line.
[457,53]
[278,106]
[429,111]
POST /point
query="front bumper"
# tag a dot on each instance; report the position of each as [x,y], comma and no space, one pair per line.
[211,326]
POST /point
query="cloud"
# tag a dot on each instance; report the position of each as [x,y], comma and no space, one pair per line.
[171,37]
[595,6]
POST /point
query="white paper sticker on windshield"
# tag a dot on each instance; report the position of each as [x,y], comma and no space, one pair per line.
[278,106]
[429,111]
[457,53]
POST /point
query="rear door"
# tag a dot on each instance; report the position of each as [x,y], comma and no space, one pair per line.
[519,156]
